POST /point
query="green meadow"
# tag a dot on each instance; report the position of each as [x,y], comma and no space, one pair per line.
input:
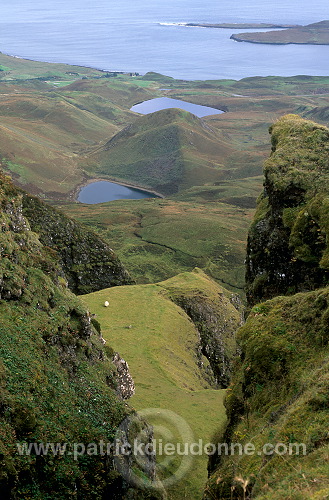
[159,342]
[157,239]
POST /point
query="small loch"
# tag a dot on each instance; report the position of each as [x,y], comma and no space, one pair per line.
[103,191]
[160,103]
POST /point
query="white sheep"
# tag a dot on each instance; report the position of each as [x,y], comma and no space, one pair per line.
[106,303]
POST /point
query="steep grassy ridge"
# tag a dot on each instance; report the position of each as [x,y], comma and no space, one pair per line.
[278,398]
[57,383]
[88,263]
[288,240]
[162,347]
[279,394]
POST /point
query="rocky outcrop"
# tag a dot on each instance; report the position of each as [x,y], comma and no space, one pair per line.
[88,263]
[288,247]
[126,386]
[135,459]
[217,314]
[276,439]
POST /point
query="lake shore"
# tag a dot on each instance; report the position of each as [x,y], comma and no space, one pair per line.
[74,194]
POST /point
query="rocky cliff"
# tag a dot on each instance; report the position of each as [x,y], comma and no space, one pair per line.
[61,391]
[275,444]
[217,314]
[88,263]
[288,247]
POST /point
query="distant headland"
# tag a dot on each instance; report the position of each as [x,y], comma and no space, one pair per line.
[244,26]
[314,34]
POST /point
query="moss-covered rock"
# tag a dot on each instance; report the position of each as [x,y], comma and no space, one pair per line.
[275,444]
[216,313]
[87,261]
[278,399]
[288,247]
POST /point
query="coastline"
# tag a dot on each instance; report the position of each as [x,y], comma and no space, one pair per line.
[236,38]
[311,34]
[246,26]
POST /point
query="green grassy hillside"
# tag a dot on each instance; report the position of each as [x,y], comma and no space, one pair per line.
[60,128]
[54,116]
[57,382]
[161,345]
[16,68]
[278,398]
[41,138]
[279,394]
[88,263]
[168,151]
[288,240]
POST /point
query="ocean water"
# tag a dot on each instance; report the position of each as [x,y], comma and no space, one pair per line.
[141,36]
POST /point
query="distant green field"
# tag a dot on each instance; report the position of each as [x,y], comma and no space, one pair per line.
[157,239]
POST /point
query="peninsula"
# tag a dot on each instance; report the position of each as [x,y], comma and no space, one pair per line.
[244,26]
[314,34]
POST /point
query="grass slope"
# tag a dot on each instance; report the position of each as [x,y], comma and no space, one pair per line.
[56,382]
[41,138]
[160,345]
[16,68]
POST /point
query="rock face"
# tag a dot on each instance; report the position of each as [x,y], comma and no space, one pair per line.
[217,314]
[58,383]
[126,386]
[138,469]
[288,247]
[277,405]
[275,444]
[87,261]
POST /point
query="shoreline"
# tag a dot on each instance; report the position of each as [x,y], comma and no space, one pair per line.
[246,26]
[74,193]
[263,42]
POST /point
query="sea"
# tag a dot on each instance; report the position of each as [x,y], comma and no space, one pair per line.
[150,35]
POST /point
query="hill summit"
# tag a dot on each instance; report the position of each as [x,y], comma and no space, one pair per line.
[167,151]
